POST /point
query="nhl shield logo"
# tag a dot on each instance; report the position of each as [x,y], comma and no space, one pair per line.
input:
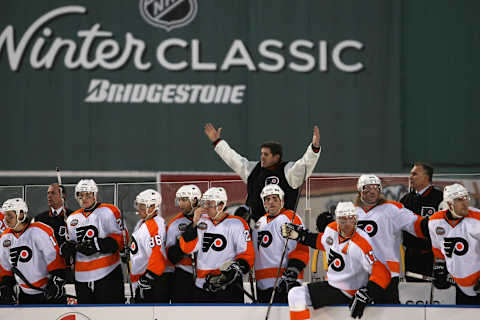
[168,14]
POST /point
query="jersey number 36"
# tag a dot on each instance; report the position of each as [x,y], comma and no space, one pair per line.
[155,241]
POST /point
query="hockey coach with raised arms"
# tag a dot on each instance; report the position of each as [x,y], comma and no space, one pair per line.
[271,169]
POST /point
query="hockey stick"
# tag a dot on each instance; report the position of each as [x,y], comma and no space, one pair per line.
[19,274]
[245,292]
[275,284]
[252,288]
[59,177]
[427,278]
[424,277]
[127,255]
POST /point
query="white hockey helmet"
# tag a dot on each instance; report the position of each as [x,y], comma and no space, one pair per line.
[454,191]
[86,185]
[366,179]
[271,189]
[189,191]
[148,198]
[345,209]
[17,205]
[217,194]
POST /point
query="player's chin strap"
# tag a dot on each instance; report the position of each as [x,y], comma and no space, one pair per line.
[452,211]
[152,214]
[94,205]
[219,213]
[20,221]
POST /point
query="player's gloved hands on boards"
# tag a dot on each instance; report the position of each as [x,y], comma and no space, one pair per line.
[440,273]
[288,280]
[359,302]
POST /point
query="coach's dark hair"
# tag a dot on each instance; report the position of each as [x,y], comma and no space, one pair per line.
[275,147]
[427,168]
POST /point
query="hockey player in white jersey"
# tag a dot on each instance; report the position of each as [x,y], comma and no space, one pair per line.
[224,247]
[355,275]
[384,222]
[187,198]
[269,244]
[455,235]
[31,248]
[95,233]
[147,251]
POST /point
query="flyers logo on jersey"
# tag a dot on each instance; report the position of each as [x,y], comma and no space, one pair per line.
[86,233]
[213,240]
[456,245]
[369,226]
[133,246]
[427,211]
[22,254]
[335,260]
[272,180]
[264,239]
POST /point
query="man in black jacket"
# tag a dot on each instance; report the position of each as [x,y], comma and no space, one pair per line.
[56,217]
[423,199]
[271,169]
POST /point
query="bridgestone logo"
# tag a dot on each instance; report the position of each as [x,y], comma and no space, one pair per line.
[102,91]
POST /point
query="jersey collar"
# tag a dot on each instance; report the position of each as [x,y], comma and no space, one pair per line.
[451,220]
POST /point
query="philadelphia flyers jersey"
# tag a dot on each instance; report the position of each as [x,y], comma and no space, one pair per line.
[458,242]
[219,242]
[104,221]
[384,224]
[34,252]
[269,243]
[351,261]
[147,248]
[175,228]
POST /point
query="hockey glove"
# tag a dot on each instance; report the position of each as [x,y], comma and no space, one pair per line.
[54,289]
[92,246]
[288,280]
[230,272]
[323,220]
[7,295]
[294,232]
[440,274]
[146,284]
[87,247]
[68,250]
[359,302]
